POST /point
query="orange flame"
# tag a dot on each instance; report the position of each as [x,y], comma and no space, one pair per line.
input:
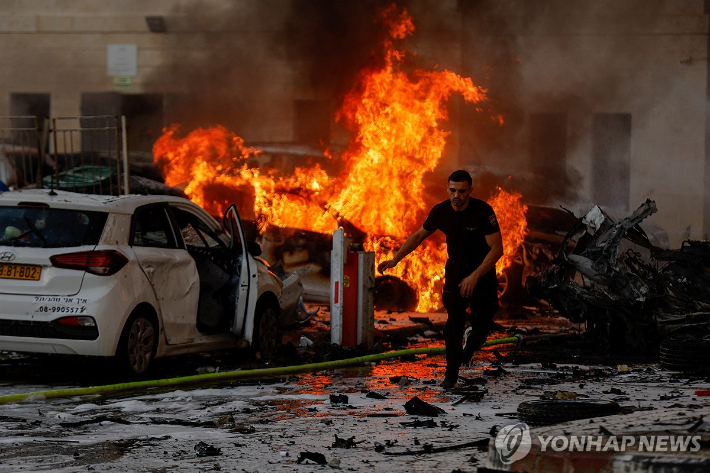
[395,119]
[510,213]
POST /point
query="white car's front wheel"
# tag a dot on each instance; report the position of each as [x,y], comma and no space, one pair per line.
[138,345]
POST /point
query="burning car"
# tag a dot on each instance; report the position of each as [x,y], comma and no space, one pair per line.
[544,234]
[133,277]
[612,275]
[392,141]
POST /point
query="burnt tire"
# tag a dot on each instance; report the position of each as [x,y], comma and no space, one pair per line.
[511,286]
[267,336]
[138,345]
[392,293]
[553,411]
[686,352]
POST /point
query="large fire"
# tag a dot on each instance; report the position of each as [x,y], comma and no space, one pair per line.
[395,120]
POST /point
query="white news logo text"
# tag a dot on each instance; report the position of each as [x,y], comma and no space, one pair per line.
[616,443]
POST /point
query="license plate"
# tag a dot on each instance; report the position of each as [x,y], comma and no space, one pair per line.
[20,271]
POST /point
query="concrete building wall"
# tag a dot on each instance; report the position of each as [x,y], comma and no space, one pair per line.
[231,62]
[60,48]
[646,60]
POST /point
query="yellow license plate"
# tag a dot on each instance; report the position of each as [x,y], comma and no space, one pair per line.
[20,271]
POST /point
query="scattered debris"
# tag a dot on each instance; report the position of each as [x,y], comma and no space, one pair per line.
[204,450]
[338,399]
[449,425]
[375,395]
[416,406]
[315,457]
[345,443]
[624,296]
[675,394]
[494,371]
[420,319]
[243,429]
[400,380]
[428,448]
[470,393]
[429,423]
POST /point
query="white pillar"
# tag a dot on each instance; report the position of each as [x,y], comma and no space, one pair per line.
[337,263]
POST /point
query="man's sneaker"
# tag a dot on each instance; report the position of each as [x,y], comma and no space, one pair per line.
[448,383]
[468,347]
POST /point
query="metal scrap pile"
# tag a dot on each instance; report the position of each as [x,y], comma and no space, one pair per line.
[626,293]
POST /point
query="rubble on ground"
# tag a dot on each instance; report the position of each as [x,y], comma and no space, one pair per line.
[609,275]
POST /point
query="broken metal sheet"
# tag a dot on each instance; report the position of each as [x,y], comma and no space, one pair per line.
[290,300]
[595,218]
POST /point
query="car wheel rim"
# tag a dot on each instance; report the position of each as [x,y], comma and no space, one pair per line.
[502,284]
[141,344]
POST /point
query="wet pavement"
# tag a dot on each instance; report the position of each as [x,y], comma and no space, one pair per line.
[354,418]
[394,326]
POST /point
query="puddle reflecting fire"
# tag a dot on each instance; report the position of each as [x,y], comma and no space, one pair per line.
[401,378]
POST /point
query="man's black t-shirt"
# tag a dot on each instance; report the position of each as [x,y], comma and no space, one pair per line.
[465,231]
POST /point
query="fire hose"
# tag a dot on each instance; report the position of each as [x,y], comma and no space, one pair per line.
[260,373]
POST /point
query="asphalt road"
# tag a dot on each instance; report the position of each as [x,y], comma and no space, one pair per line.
[355,418]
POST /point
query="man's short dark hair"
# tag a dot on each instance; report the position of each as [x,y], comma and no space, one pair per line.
[460,176]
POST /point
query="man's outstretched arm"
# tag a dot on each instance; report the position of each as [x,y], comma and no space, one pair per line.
[414,240]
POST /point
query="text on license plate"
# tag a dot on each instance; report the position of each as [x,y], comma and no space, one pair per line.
[20,271]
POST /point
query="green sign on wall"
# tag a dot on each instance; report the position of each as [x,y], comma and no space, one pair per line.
[122,82]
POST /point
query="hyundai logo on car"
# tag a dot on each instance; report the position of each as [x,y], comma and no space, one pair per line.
[7,256]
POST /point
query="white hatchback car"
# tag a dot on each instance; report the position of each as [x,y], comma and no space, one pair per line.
[135,277]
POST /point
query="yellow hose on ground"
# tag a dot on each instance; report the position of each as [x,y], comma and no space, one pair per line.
[231,375]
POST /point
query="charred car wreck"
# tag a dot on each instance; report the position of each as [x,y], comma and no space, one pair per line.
[629,292]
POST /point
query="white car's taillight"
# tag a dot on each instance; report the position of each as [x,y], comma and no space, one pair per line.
[101,263]
[77,321]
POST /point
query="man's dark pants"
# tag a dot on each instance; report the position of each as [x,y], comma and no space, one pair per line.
[483,304]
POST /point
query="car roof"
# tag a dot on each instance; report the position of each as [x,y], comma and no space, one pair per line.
[71,200]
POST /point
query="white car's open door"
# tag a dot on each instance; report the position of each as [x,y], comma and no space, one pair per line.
[248,276]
